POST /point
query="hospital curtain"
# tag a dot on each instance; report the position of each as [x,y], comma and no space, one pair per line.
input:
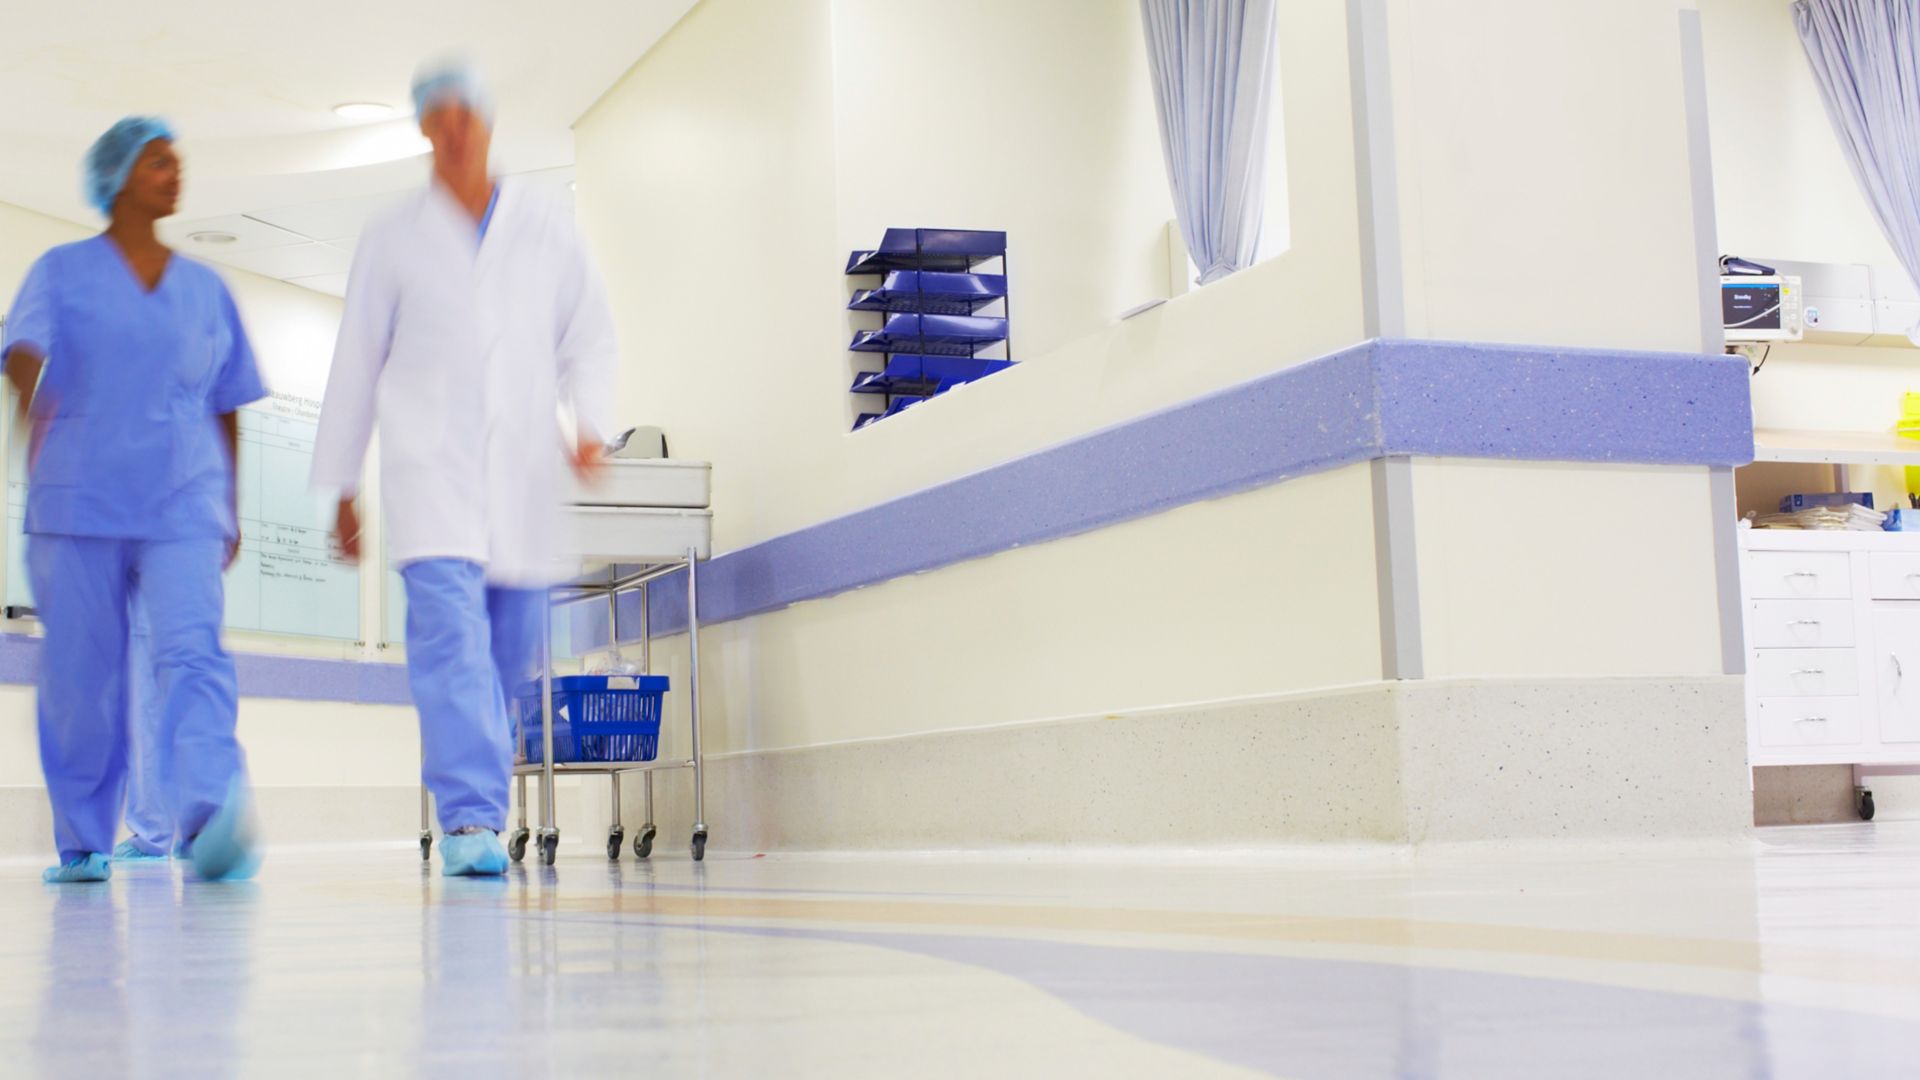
[1212,66]
[1866,60]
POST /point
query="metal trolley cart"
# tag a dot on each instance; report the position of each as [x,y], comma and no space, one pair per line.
[645,520]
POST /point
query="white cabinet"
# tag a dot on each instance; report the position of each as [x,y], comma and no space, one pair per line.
[1894,575]
[1833,647]
[1784,722]
[1800,624]
[1799,575]
[1895,669]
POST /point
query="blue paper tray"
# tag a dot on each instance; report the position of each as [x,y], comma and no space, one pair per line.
[929,249]
[932,292]
[900,405]
[942,335]
[923,376]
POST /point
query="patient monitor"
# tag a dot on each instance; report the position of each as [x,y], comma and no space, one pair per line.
[1760,307]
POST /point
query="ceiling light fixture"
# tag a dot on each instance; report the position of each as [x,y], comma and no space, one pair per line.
[362,111]
[212,236]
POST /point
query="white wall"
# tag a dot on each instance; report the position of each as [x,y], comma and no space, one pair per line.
[1055,141]
[1208,602]
[1782,188]
[742,150]
[722,183]
[1538,139]
[1534,568]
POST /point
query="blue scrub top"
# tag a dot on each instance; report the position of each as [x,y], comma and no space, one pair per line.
[132,385]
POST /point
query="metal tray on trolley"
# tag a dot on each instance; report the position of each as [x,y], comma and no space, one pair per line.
[632,534]
[648,482]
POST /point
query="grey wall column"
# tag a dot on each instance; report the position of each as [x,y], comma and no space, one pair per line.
[1383,282]
[1725,505]
[1397,569]
[1384,302]
[1724,502]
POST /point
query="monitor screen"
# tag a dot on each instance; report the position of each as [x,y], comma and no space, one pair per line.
[1750,306]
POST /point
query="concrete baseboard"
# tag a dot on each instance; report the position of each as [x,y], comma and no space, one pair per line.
[1400,763]
[1497,759]
[1394,763]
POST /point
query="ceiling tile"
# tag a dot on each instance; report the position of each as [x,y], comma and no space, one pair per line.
[287,263]
[335,219]
[248,234]
[331,284]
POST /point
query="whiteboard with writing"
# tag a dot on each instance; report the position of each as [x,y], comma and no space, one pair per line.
[286,580]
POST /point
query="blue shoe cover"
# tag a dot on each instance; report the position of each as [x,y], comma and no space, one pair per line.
[228,849]
[93,867]
[131,851]
[476,854]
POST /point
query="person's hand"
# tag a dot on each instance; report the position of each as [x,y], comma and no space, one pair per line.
[589,458]
[233,551]
[346,531]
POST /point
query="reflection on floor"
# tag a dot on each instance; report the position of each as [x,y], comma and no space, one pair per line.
[1797,954]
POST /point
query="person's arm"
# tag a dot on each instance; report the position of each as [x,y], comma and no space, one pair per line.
[237,383]
[29,335]
[230,434]
[23,373]
[588,353]
[347,415]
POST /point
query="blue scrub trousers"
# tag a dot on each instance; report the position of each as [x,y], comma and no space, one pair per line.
[81,588]
[148,818]
[470,649]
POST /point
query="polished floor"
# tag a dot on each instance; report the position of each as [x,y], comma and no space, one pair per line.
[1796,954]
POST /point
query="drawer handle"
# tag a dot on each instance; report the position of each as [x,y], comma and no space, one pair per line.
[1814,671]
[1898,671]
[1811,720]
[1803,573]
[1804,622]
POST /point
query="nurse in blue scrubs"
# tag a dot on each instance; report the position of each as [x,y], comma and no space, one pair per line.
[130,362]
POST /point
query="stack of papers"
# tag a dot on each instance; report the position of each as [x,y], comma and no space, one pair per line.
[1850,518]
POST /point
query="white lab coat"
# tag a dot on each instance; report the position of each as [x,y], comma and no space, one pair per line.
[465,351]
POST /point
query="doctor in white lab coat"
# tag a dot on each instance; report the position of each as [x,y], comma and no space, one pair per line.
[473,321]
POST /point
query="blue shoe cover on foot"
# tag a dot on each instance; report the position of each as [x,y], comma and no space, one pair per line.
[476,854]
[131,851]
[228,849]
[93,867]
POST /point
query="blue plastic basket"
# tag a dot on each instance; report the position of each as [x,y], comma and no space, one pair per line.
[596,718]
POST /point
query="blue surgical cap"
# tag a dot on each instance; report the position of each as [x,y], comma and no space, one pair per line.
[451,81]
[113,155]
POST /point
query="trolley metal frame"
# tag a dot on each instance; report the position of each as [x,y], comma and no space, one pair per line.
[619,579]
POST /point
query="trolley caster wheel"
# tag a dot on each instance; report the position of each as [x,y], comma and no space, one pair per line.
[615,839]
[549,849]
[1865,805]
[426,849]
[699,846]
[517,845]
[643,844]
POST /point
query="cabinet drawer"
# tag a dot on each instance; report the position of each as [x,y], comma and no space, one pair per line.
[1799,575]
[1801,624]
[1895,575]
[1785,673]
[1837,721]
